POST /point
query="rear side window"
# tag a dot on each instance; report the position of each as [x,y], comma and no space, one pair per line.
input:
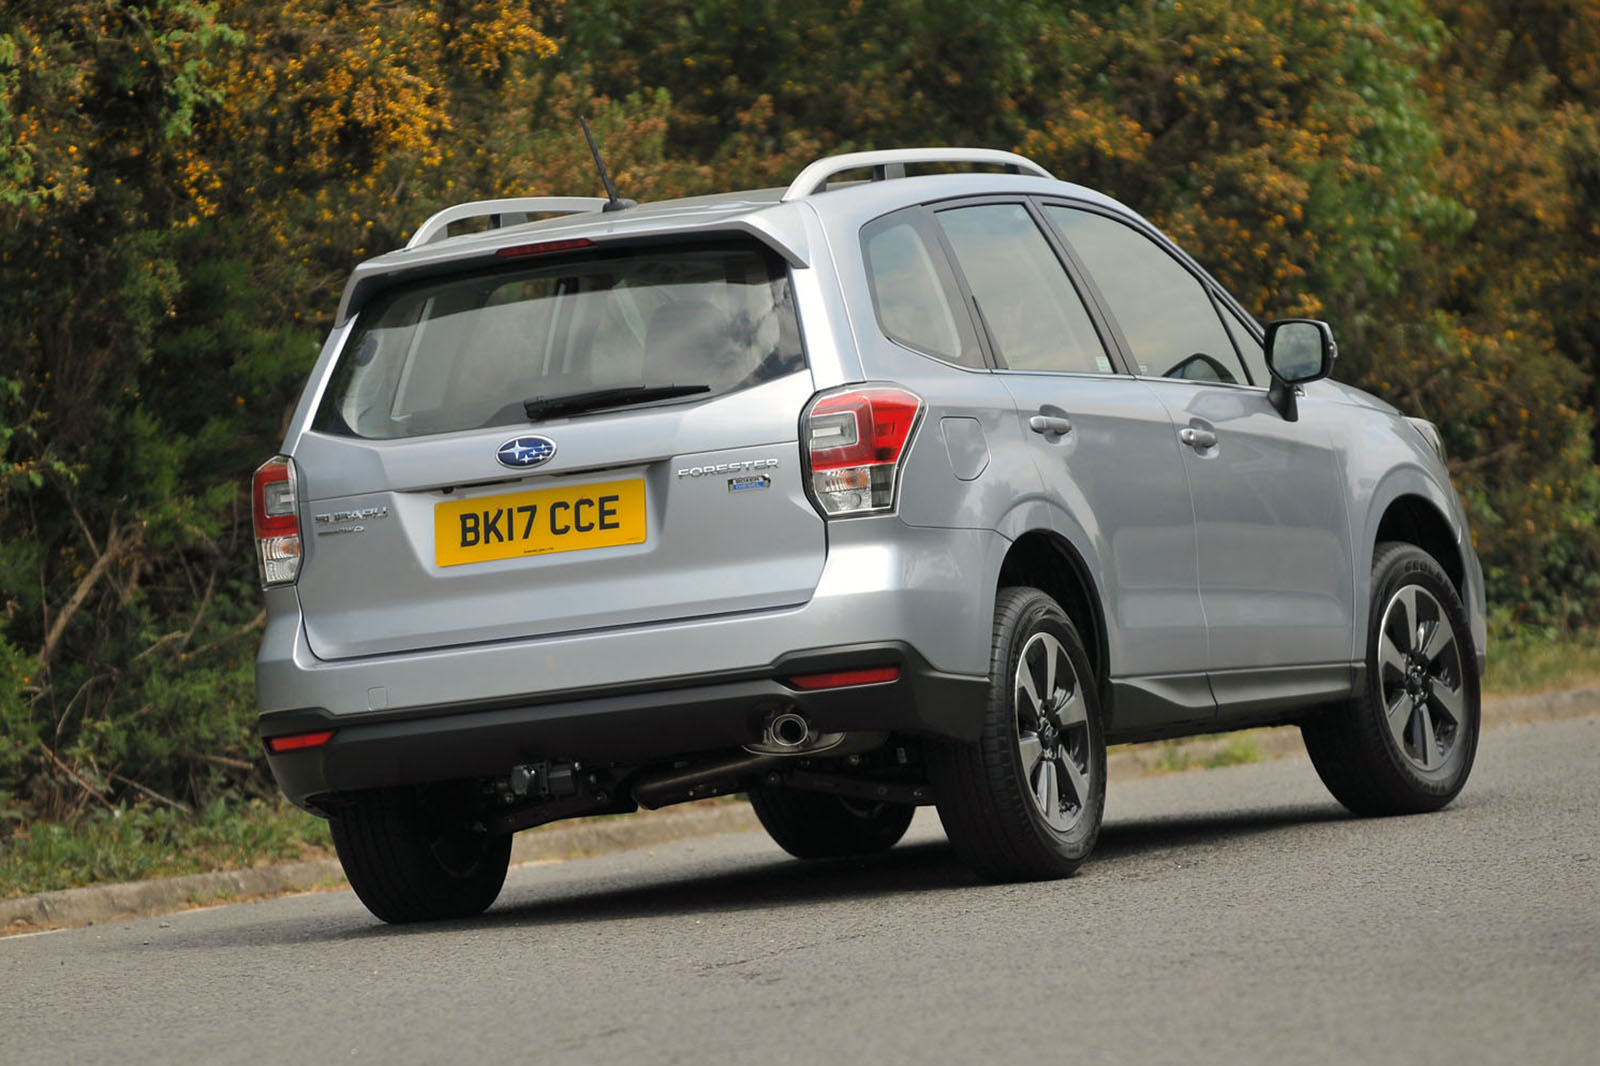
[913,292]
[464,352]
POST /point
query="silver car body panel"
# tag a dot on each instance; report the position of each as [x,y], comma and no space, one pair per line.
[1275,560]
[1116,483]
[882,580]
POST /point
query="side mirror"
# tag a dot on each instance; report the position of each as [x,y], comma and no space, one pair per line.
[1298,350]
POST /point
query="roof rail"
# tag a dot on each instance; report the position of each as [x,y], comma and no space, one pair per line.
[892,164]
[502,213]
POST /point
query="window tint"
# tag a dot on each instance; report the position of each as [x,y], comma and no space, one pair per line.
[1170,323]
[914,298]
[464,352]
[1029,306]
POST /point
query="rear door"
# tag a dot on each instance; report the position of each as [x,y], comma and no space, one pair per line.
[1103,446]
[443,513]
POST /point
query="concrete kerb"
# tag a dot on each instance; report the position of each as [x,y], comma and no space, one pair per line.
[102,903]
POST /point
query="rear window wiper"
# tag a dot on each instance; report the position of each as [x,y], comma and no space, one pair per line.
[620,396]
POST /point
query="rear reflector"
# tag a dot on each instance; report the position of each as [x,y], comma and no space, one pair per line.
[519,251]
[854,441]
[298,741]
[875,675]
[277,523]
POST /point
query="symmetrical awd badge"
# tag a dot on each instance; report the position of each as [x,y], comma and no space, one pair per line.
[523,452]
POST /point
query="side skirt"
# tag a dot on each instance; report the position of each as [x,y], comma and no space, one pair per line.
[1177,705]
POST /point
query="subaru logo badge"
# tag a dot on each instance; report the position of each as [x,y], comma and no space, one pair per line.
[522,452]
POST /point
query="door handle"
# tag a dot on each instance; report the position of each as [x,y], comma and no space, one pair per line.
[1197,439]
[1050,424]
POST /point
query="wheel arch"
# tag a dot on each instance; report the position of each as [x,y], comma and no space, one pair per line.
[1046,560]
[1413,519]
[1412,507]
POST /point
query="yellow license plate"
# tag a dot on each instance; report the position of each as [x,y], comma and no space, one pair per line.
[509,526]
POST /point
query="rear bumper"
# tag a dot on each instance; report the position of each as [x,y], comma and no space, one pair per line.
[889,593]
[378,749]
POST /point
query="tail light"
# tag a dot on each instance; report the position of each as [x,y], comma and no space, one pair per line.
[277,524]
[854,442]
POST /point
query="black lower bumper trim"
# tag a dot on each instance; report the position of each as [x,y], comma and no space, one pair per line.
[417,746]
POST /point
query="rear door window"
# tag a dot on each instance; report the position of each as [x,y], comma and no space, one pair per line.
[465,352]
[1034,316]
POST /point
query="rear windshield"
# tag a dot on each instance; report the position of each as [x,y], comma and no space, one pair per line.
[465,352]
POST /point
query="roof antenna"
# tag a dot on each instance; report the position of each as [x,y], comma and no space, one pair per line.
[613,201]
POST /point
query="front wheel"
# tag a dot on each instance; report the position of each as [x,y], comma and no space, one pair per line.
[413,858]
[1024,802]
[1406,744]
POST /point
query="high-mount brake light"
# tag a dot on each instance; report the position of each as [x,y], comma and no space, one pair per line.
[854,442]
[277,524]
[872,675]
[299,741]
[520,251]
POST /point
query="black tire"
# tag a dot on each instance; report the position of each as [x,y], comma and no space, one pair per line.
[1407,743]
[817,825]
[410,860]
[986,795]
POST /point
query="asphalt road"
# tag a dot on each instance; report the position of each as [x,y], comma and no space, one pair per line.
[1230,916]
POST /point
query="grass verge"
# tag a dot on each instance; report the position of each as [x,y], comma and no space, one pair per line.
[1540,660]
[144,841]
[1206,753]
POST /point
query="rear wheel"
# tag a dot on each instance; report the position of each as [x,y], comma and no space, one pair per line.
[817,825]
[1024,802]
[412,860]
[1407,743]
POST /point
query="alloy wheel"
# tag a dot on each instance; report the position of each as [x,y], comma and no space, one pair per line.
[1420,678]
[1053,732]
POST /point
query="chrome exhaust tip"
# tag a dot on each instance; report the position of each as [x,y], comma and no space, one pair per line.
[789,731]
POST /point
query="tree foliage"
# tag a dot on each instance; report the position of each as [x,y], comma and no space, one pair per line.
[184,184]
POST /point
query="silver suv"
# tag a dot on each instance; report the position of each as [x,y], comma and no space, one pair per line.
[853,496]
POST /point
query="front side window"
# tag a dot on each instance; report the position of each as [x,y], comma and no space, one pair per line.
[1167,318]
[1028,305]
[466,351]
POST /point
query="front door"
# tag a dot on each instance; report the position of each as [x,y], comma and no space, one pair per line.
[1273,536]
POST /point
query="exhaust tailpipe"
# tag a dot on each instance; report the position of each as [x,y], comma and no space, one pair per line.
[788,731]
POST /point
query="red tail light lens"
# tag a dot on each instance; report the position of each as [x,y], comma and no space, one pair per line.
[277,523]
[874,675]
[854,442]
[298,741]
